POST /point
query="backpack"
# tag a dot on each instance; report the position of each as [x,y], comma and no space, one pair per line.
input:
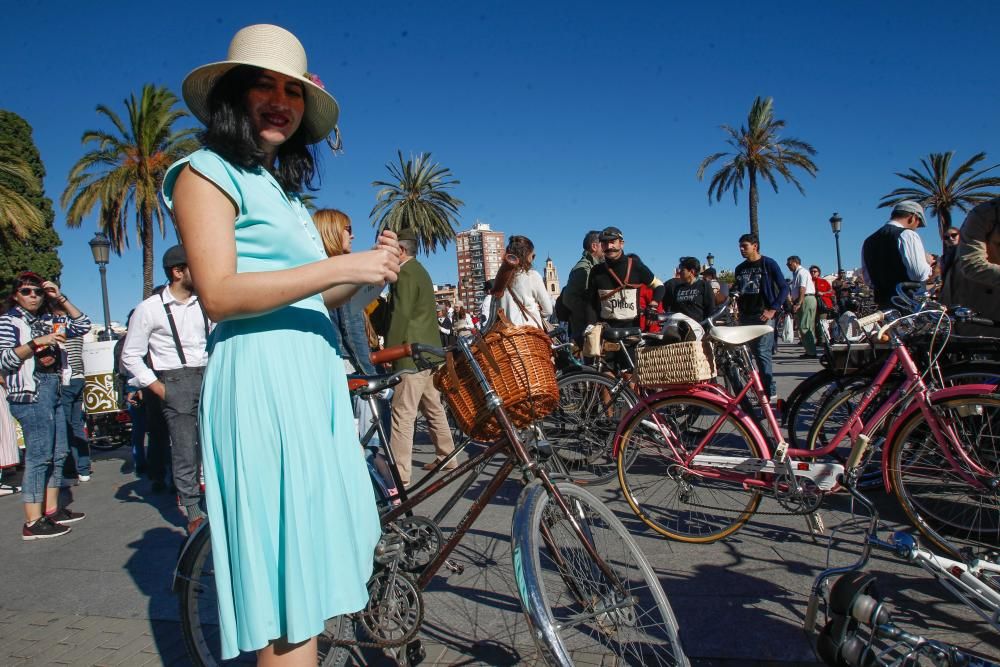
[563,313]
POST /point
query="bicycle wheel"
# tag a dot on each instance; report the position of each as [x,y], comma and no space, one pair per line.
[698,503]
[581,430]
[580,616]
[200,616]
[935,497]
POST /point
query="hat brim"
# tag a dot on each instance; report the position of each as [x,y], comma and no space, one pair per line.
[321,110]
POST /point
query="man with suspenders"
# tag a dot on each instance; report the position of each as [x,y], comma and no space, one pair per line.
[172,328]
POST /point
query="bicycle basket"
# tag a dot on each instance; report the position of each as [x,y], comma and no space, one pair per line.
[677,363]
[517,362]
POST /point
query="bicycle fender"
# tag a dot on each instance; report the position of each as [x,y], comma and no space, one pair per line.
[707,392]
[187,553]
[957,391]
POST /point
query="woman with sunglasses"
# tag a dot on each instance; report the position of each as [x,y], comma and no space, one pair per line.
[31,361]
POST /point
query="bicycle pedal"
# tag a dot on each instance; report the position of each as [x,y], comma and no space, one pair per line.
[415,652]
[456,568]
[815,523]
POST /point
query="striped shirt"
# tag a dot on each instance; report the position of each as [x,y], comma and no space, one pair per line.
[14,332]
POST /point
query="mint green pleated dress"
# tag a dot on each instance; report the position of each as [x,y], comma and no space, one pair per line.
[291,505]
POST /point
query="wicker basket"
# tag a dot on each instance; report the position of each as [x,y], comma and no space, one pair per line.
[677,363]
[517,361]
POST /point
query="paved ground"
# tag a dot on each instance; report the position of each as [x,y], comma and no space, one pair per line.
[101,596]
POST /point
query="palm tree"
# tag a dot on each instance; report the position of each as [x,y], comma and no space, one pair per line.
[758,150]
[939,192]
[418,199]
[125,169]
[17,214]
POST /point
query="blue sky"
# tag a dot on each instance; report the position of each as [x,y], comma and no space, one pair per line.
[557,117]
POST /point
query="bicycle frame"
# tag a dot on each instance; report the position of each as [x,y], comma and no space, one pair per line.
[509,444]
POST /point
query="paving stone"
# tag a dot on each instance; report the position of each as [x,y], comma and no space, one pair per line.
[96,657]
[131,649]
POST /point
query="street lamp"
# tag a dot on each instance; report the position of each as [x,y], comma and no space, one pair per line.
[835,221]
[710,258]
[100,246]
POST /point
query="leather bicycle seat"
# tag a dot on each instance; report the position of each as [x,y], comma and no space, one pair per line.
[739,335]
[616,335]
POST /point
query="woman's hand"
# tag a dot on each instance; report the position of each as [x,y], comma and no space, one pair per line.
[375,267]
[51,290]
[50,339]
[387,239]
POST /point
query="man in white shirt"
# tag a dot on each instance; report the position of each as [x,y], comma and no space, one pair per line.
[172,329]
[895,254]
[802,291]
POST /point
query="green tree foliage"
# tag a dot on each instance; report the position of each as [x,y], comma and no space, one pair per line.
[124,170]
[757,150]
[418,199]
[37,250]
[940,191]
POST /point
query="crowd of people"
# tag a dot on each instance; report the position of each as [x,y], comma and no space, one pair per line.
[261,291]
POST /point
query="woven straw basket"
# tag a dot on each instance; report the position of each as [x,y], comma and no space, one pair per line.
[517,361]
[677,363]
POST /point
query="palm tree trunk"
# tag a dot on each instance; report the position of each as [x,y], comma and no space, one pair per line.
[944,222]
[147,254]
[754,198]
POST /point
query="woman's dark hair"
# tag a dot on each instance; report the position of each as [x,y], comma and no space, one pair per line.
[521,247]
[231,134]
[25,278]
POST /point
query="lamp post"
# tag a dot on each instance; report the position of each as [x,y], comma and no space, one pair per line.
[100,246]
[835,221]
[710,258]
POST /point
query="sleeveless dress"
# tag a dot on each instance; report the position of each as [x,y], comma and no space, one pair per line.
[291,505]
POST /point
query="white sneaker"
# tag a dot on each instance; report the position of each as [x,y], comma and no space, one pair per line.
[84,478]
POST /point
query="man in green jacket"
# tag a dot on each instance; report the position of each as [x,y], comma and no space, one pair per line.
[574,295]
[413,319]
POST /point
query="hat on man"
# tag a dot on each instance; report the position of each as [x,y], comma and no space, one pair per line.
[273,48]
[175,256]
[408,234]
[610,234]
[911,207]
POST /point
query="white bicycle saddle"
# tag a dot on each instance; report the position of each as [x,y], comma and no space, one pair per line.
[739,335]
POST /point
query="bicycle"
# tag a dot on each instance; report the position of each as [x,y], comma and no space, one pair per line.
[852,602]
[587,591]
[694,466]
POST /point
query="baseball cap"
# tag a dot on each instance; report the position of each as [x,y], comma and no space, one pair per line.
[610,234]
[174,256]
[408,234]
[912,207]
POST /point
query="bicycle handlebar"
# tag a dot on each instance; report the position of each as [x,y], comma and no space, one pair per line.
[390,354]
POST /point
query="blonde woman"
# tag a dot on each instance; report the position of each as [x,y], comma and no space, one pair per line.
[337,234]
[526,301]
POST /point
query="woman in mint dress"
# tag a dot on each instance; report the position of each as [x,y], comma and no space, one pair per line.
[293,515]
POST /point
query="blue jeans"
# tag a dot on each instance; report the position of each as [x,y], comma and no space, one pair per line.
[72,404]
[762,350]
[45,446]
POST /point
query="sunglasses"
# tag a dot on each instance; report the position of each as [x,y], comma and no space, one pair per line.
[28,291]
[952,235]
[349,229]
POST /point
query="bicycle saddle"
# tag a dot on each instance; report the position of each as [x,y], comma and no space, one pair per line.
[739,335]
[615,335]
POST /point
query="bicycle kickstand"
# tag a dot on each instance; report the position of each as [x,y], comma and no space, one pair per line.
[815,524]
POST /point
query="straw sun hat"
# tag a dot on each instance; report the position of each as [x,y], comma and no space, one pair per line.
[276,49]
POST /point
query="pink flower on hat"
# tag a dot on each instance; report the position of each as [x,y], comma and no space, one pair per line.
[315,79]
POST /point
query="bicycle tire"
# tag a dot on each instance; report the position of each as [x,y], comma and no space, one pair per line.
[581,430]
[802,408]
[673,499]
[935,498]
[560,585]
[199,613]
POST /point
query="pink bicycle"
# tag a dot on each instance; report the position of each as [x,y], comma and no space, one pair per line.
[694,466]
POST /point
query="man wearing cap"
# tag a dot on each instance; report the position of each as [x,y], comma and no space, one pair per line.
[613,290]
[413,319]
[574,295]
[895,254]
[172,329]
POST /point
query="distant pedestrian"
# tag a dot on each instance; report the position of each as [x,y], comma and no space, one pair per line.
[950,240]
[462,323]
[575,294]
[802,291]
[32,362]
[484,309]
